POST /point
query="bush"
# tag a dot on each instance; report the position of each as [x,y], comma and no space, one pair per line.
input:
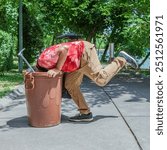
[6,51]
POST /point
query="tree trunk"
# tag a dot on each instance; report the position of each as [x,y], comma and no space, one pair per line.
[53,39]
[105,52]
[91,35]
[106,47]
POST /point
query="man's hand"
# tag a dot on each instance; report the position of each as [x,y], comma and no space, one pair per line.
[54,72]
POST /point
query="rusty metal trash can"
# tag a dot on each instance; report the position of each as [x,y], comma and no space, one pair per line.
[43,99]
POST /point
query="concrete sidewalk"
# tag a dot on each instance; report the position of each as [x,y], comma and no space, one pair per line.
[121,120]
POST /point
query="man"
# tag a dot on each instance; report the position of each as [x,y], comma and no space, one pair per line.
[79,58]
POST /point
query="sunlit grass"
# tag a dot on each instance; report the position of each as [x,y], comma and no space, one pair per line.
[8,80]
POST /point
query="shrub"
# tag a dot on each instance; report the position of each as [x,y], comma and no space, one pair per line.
[6,51]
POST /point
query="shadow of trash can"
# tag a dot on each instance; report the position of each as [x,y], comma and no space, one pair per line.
[43,99]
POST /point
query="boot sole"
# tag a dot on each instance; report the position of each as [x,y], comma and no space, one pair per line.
[82,120]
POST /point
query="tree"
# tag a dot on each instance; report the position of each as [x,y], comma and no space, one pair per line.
[129,29]
[32,35]
[8,32]
[137,28]
[124,22]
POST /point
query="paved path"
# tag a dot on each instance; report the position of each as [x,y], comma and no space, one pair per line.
[121,121]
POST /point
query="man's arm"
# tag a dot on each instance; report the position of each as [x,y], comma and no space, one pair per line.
[62,51]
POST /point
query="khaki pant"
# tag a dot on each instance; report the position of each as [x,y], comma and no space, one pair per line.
[92,68]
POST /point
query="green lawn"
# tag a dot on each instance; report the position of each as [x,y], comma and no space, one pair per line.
[8,80]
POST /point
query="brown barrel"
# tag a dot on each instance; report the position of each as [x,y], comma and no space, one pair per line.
[43,99]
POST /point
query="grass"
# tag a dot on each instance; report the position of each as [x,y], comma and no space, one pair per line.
[138,72]
[8,80]
[145,72]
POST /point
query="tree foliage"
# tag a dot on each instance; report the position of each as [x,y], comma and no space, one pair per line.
[8,27]
[123,22]
[5,53]
[137,28]
[32,35]
[130,26]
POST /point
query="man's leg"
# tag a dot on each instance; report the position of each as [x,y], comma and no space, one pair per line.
[93,68]
[72,84]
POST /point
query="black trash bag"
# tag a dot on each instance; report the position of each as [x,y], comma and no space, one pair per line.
[30,70]
[65,93]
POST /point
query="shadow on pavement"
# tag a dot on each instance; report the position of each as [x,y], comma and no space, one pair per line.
[9,108]
[137,88]
[22,122]
[94,96]
[64,119]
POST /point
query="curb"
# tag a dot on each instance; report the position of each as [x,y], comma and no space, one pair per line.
[13,98]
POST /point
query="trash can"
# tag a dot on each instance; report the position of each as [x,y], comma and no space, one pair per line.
[43,98]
